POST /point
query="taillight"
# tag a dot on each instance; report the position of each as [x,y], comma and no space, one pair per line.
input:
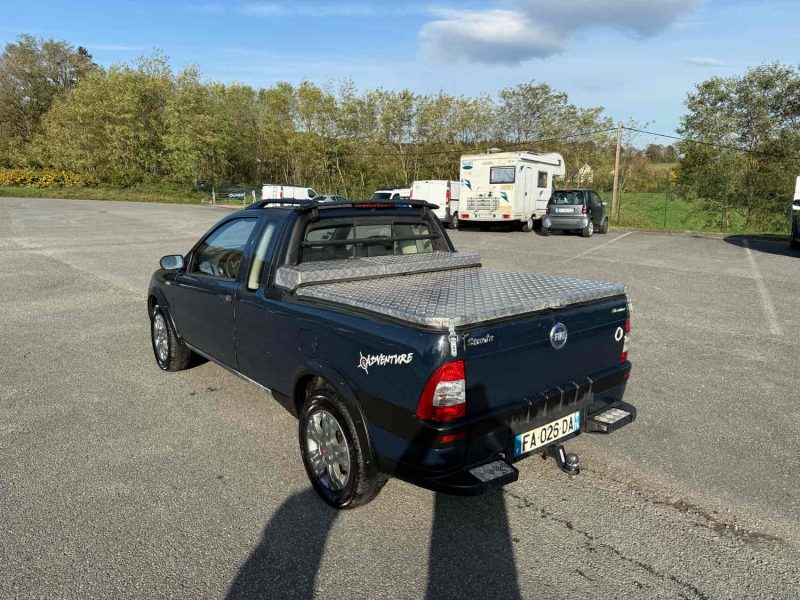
[444,397]
[281,194]
[411,194]
[624,355]
[547,210]
[583,209]
[447,198]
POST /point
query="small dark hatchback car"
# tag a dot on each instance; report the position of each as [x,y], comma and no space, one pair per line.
[575,210]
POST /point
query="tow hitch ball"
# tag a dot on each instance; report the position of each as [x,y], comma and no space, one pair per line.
[567,462]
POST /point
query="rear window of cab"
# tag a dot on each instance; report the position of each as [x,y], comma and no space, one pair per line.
[361,240]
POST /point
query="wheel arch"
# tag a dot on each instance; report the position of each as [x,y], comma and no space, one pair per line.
[157,298]
[315,371]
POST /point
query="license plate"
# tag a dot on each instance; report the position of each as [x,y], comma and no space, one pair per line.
[541,436]
[564,210]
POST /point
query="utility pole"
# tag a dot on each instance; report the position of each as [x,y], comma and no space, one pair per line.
[615,192]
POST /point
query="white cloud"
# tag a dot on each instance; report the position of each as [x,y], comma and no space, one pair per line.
[540,28]
[492,36]
[705,62]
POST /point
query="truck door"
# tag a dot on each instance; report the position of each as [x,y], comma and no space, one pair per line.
[205,292]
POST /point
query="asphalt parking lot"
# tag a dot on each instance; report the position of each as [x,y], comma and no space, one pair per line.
[117,479]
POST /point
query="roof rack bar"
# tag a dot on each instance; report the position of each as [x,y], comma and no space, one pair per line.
[309,205]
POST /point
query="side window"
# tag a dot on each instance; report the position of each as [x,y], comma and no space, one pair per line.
[597,201]
[260,256]
[220,254]
[502,174]
[311,193]
[542,179]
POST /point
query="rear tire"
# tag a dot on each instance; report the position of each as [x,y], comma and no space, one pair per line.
[527,226]
[588,230]
[170,351]
[453,223]
[332,453]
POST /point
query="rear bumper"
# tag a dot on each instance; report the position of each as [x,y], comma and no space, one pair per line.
[484,460]
[565,222]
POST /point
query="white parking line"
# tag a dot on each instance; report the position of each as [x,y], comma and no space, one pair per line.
[603,245]
[766,301]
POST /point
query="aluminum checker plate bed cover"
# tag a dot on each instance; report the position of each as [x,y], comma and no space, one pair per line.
[293,276]
[458,296]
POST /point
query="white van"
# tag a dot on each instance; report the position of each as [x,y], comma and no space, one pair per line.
[272,191]
[507,186]
[444,193]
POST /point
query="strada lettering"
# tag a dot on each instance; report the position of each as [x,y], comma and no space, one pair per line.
[380,360]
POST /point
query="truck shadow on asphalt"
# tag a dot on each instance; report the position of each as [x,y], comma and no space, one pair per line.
[471,550]
[778,246]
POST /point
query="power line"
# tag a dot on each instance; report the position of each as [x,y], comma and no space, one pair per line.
[710,144]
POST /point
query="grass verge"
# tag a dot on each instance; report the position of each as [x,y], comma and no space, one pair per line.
[642,210]
[174,195]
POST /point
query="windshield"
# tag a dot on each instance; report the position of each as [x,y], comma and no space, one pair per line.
[381,196]
[332,242]
[573,197]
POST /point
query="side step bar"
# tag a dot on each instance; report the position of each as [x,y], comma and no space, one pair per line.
[611,418]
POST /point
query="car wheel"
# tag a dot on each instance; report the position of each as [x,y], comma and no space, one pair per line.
[545,230]
[170,351]
[604,226]
[794,243]
[588,230]
[453,223]
[332,454]
[528,225]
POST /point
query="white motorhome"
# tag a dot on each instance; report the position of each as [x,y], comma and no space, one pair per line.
[507,186]
[442,192]
[272,191]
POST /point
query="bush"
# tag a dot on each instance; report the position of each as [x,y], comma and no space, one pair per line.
[44,178]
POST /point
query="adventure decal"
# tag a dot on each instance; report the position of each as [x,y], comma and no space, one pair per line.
[382,360]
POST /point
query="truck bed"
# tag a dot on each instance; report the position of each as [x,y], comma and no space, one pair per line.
[436,291]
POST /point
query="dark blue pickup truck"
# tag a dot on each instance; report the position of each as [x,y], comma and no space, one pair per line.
[399,356]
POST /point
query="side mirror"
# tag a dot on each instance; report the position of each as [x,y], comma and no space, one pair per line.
[173,262]
[604,204]
[796,205]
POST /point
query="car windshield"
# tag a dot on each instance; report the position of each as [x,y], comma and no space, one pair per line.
[381,196]
[332,242]
[572,197]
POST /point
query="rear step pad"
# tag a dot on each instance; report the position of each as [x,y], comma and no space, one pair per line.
[612,418]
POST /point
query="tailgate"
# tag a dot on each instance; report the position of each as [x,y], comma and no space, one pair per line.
[510,364]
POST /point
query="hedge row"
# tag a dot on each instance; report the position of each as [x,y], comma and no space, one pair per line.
[44,178]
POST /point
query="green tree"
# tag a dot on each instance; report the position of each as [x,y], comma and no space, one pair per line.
[743,156]
[34,72]
[112,124]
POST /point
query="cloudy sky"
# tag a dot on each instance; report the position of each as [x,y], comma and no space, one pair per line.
[637,58]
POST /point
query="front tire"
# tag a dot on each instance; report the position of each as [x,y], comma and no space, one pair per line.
[170,351]
[332,453]
[604,226]
[545,231]
[453,223]
[588,230]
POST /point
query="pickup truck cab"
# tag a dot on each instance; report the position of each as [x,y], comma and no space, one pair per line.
[400,356]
